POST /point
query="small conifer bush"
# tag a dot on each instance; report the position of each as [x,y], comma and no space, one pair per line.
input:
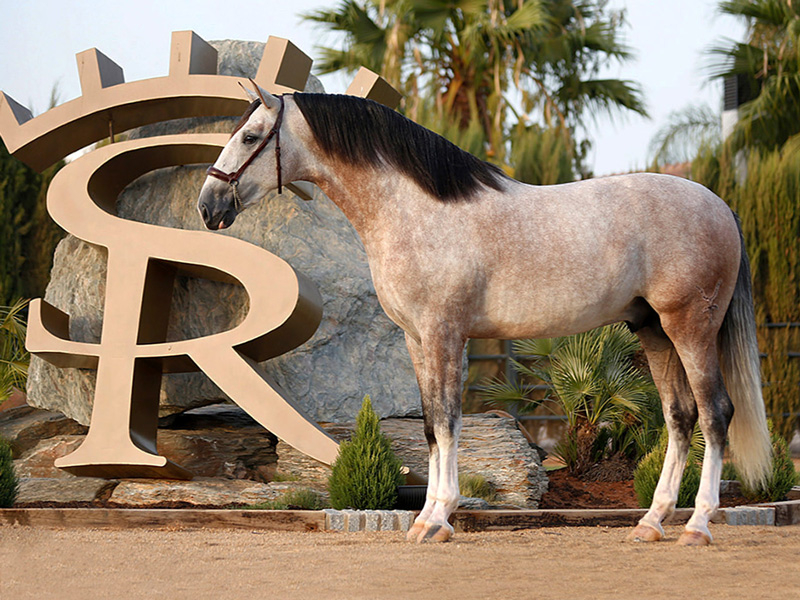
[8,480]
[366,473]
[645,477]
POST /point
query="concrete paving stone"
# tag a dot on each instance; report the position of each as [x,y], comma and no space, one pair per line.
[353,520]
[404,519]
[388,520]
[750,515]
[372,520]
[334,519]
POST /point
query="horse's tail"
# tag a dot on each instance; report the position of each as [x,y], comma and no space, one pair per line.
[741,369]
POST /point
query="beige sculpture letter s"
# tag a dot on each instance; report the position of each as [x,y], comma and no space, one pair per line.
[285,310]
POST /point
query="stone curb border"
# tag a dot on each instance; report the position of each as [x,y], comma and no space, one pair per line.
[774,514]
[368,520]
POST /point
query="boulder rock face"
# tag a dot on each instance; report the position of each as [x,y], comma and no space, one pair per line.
[236,461]
[489,445]
[357,350]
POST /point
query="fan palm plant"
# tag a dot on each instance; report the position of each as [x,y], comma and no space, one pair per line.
[611,406]
[13,356]
[685,133]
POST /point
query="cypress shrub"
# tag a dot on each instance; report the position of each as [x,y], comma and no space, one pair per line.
[645,477]
[8,480]
[366,473]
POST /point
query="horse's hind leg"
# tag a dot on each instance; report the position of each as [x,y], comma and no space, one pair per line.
[693,333]
[715,411]
[439,376]
[680,414]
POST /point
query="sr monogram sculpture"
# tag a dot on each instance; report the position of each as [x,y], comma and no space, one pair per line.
[143,259]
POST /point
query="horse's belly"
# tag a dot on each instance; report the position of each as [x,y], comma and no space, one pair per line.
[538,311]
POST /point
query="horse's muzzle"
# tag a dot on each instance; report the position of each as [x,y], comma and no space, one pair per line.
[215,212]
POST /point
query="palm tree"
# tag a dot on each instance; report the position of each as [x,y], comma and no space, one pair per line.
[770,62]
[493,67]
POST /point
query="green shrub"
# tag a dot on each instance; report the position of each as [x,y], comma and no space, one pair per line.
[729,472]
[782,478]
[366,473]
[302,499]
[476,486]
[645,477]
[8,480]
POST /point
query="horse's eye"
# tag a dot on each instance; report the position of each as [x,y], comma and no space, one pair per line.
[249,139]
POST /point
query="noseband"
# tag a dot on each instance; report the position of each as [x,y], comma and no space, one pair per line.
[232,179]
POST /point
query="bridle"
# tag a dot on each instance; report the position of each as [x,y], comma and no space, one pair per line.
[232,179]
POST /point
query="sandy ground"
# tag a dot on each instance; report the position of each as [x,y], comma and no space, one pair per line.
[564,563]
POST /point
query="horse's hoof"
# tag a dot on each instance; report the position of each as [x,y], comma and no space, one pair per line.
[427,532]
[415,531]
[645,533]
[442,534]
[694,538]
[431,532]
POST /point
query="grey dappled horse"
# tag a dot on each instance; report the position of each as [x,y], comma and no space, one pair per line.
[459,250]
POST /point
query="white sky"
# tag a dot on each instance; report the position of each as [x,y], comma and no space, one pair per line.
[41,37]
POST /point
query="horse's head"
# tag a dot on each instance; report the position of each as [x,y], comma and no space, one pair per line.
[249,165]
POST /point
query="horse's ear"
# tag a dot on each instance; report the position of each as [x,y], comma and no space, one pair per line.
[250,93]
[266,98]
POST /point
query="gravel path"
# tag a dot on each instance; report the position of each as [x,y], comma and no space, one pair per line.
[744,562]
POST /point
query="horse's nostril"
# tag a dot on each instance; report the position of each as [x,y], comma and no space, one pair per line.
[204,212]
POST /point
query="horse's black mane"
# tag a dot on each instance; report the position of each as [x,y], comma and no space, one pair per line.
[361,131]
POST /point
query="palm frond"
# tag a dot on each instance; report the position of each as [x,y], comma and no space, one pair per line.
[13,356]
[508,395]
[684,133]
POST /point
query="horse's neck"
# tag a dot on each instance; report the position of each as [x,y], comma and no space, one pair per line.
[363,194]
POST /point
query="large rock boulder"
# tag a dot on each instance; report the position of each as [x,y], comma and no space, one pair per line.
[356,350]
[489,445]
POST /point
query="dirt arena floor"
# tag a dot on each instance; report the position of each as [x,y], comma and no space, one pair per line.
[564,563]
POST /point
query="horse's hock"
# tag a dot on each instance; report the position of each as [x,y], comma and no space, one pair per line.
[356,349]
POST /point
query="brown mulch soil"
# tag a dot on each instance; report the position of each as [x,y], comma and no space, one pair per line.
[568,491]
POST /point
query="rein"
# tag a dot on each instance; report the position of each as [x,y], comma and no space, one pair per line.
[232,179]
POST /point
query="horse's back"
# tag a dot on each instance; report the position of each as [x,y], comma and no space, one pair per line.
[578,255]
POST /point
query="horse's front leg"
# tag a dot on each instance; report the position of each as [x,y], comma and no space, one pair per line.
[437,361]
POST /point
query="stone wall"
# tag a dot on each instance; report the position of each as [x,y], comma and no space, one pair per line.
[230,453]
